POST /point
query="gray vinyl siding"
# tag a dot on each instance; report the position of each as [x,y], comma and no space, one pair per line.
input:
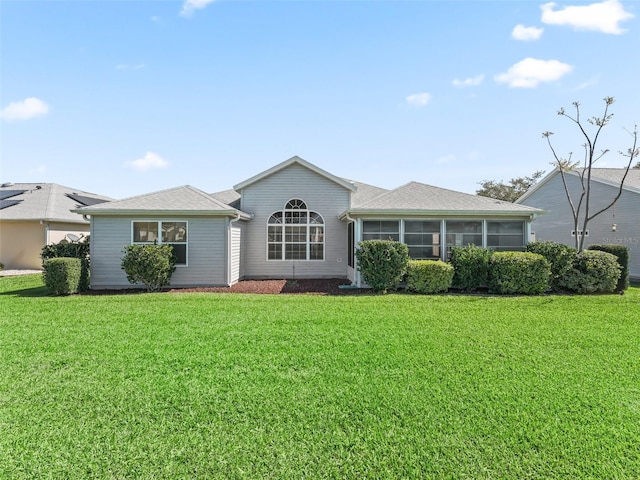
[270,194]
[558,223]
[206,251]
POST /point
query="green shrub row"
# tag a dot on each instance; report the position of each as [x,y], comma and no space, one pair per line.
[545,266]
[62,276]
[590,271]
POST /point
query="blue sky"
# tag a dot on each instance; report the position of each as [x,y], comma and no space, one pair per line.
[127,97]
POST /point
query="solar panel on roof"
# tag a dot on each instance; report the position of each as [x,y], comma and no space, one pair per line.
[83,200]
[8,203]
[4,194]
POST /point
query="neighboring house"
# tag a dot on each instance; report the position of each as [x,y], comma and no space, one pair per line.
[33,215]
[294,220]
[618,225]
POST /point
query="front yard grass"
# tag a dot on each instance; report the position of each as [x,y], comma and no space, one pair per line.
[194,385]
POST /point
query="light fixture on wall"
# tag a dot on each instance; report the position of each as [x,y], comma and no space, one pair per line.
[614,227]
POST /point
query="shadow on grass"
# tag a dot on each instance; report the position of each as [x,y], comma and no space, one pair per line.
[27,292]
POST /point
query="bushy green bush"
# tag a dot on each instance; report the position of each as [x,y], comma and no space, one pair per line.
[66,249]
[471,267]
[62,275]
[151,265]
[519,272]
[622,254]
[593,272]
[429,276]
[561,258]
[382,263]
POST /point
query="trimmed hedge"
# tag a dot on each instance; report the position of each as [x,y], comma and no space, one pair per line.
[593,272]
[151,265]
[471,267]
[519,273]
[66,249]
[429,276]
[622,254]
[62,276]
[560,256]
[382,263]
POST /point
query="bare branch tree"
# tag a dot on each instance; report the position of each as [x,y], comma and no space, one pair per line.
[591,157]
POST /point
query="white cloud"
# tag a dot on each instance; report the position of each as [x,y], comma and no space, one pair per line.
[39,170]
[469,82]
[445,159]
[418,99]
[520,32]
[148,162]
[24,110]
[601,17]
[190,6]
[530,72]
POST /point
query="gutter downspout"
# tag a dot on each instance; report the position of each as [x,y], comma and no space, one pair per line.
[356,273]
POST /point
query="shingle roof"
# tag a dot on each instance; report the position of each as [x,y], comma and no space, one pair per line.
[609,176]
[229,197]
[44,201]
[365,193]
[614,176]
[183,200]
[290,161]
[415,197]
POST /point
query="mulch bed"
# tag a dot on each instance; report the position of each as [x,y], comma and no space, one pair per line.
[325,286]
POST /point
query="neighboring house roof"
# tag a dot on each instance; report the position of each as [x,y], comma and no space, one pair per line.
[608,176]
[299,161]
[185,200]
[419,198]
[49,202]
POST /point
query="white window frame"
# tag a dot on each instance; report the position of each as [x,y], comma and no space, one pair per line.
[307,226]
[159,241]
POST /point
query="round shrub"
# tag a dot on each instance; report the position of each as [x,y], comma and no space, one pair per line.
[429,276]
[471,267]
[593,271]
[622,254]
[382,263]
[519,273]
[151,265]
[561,258]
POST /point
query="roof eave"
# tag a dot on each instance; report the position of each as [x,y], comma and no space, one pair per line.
[439,213]
[138,212]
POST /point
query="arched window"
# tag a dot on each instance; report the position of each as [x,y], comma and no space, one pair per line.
[295,233]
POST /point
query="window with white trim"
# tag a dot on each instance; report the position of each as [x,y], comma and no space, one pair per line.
[295,233]
[160,232]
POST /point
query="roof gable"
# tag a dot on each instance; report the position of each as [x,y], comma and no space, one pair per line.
[416,197]
[607,176]
[179,200]
[291,161]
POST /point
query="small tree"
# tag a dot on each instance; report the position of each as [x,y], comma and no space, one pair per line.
[509,192]
[151,265]
[591,156]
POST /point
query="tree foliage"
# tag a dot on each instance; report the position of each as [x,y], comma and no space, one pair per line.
[511,191]
[581,203]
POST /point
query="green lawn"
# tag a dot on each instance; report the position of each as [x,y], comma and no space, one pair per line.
[192,385]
